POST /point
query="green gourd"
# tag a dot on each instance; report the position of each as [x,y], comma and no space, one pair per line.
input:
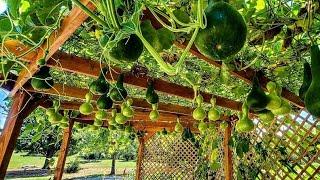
[120,118]
[266,116]
[118,92]
[244,124]
[213,113]
[257,99]
[285,108]
[101,114]
[199,113]
[126,108]
[275,100]
[42,80]
[178,127]
[104,102]
[86,108]
[312,98]
[307,79]
[100,86]
[202,127]
[151,95]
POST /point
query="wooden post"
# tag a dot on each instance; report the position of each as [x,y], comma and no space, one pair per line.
[10,133]
[227,153]
[140,157]
[63,151]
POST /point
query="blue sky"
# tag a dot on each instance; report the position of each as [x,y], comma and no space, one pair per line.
[3,95]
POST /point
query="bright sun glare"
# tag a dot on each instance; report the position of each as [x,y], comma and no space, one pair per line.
[3,6]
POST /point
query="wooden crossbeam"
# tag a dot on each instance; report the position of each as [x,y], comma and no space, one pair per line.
[69,25]
[79,93]
[71,63]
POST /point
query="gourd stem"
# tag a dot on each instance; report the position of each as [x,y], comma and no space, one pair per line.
[112,14]
[186,50]
[90,13]
[167,68]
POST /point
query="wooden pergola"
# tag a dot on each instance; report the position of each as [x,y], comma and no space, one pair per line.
[26,99]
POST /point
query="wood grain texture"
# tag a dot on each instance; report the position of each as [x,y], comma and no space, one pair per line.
[69,25]
[67,134]
[228,166]
[22,106]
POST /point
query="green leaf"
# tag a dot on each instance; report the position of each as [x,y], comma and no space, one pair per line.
[36,138]
[166,38]
[5,26]
[13,8]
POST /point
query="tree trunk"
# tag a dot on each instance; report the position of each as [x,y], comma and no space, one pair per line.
[46,164]
[113,165]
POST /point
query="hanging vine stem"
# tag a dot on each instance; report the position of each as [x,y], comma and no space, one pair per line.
[167,68]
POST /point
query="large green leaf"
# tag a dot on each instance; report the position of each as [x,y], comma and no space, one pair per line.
[13,8]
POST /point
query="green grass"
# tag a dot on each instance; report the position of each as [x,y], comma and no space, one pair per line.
[87,168]
[18,160]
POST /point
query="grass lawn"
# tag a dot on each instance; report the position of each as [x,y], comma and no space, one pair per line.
[87,168]
[18,160]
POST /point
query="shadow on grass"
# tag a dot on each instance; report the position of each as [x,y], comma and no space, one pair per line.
[97,177]
[84,161]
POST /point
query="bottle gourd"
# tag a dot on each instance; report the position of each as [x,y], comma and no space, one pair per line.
[312,98]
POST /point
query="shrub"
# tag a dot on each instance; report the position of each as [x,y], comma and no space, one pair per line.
[73,167]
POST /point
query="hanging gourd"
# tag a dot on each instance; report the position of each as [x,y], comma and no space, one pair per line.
[118,92]
[154,114]
[42,80]
[213,113]
[53,114]
[244,124]
[266,116]
[104,102]
[202,126]
[151,95]
[199,113]
[257,100]
[225,33]
[100,86]
[101,114]
[307,79]
[126,108]
[275,100]
[64,120]
[178,127]
[86,108]
[312,97]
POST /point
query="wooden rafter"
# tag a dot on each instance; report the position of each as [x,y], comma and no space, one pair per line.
[69,25]
[71,63]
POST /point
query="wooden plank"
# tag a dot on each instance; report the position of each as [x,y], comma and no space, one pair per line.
[228,166]
[71,63]
[141,104]
[63,151]
[69,25]
[22,106]
[140,159]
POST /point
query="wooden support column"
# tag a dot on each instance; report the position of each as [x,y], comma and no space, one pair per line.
[228,167]
[63,151]
[140,157]
[22,106]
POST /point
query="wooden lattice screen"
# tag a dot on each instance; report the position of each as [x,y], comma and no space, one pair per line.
[168,157]
[297,139]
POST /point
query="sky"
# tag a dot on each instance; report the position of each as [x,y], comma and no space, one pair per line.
[3,95]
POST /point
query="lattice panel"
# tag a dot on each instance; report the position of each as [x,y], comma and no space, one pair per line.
[168,157]
[299,139]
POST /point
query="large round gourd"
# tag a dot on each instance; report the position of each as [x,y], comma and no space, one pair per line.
[312,98]
[225,33]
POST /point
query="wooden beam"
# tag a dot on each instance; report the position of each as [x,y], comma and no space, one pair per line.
[71,63]
[69,25]
[22,106]
[228,167]
[246,75]
[63,151]
[139,104]
[140,158]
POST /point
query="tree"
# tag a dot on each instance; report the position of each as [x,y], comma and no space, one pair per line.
[102,142]
[39,136]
